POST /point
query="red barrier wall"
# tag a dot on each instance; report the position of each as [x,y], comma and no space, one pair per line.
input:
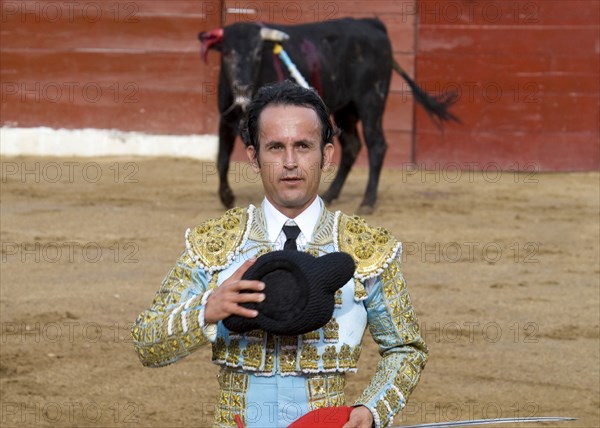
[527,72]
[528,78]
[129,65]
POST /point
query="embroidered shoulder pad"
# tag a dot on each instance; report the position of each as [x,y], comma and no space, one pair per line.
[214,243]
[371,248]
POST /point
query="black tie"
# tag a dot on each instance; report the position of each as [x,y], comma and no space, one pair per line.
[291,233]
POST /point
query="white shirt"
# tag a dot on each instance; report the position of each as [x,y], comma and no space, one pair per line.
[306,221]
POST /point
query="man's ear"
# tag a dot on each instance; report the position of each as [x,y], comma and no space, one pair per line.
[251,153]
[328,151]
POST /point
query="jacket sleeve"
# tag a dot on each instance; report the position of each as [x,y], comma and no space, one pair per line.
[394,326]
[174,325]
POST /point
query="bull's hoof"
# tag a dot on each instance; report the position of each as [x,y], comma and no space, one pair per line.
[365,210]
[227,198]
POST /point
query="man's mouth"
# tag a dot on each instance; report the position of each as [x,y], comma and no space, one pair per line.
[291,179]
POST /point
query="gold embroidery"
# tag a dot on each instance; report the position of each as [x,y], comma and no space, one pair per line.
[313,336]
[270,354]
[288,342]
[158,334]
[173,345]
[420,359]
[233,353]
[219,350]
[382,411]
[338,298]
[331,331]
[223,398]
[403,383]
[323,233]
[382,236]
[338,400]
[263,250]
[345,357]
[355,356]
[215,240]
[316,387]
[398,300]
[364,251]
[309,358]
[252,356]
[370,247]
[410,334]
[359,290]
[258,230]
[329,358]
[402,368]
[255,334]
[220,418]
[408,374]
[388,285]
[312,251]
[409,317]
[287,360]
[325,390]
[405,300]
[392,397]
[396,310]
[212,285]
[236,400]
[232,398]
[317,404]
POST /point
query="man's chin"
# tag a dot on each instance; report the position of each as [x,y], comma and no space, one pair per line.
[293,199]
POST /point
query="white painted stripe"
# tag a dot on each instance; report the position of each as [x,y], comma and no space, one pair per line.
[241,11]
[45,141]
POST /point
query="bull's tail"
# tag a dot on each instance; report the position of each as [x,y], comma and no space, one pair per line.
[435,106]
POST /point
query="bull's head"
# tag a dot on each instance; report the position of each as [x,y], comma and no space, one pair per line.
[241,46]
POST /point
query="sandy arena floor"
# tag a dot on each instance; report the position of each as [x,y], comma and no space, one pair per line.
[503,269]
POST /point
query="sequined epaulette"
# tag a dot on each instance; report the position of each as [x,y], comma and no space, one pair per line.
[214,244]
[371,248]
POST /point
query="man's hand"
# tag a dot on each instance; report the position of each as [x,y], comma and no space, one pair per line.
[225,299]
[360,417]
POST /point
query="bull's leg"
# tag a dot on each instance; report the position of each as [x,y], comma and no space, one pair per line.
[376,146]
[228,130]
[346,119]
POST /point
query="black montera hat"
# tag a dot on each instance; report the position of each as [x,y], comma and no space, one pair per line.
[299,291]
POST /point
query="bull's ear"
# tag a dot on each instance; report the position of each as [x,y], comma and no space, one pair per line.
[210,40]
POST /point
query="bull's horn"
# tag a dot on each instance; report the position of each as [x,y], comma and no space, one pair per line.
[273,35]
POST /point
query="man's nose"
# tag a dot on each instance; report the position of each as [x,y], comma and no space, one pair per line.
[290,161]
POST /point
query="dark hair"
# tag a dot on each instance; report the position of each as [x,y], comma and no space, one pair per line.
[285,93]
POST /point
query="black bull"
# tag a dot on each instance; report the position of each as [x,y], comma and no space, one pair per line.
[348,61]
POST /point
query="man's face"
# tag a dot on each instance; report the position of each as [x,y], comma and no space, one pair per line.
[289,159]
